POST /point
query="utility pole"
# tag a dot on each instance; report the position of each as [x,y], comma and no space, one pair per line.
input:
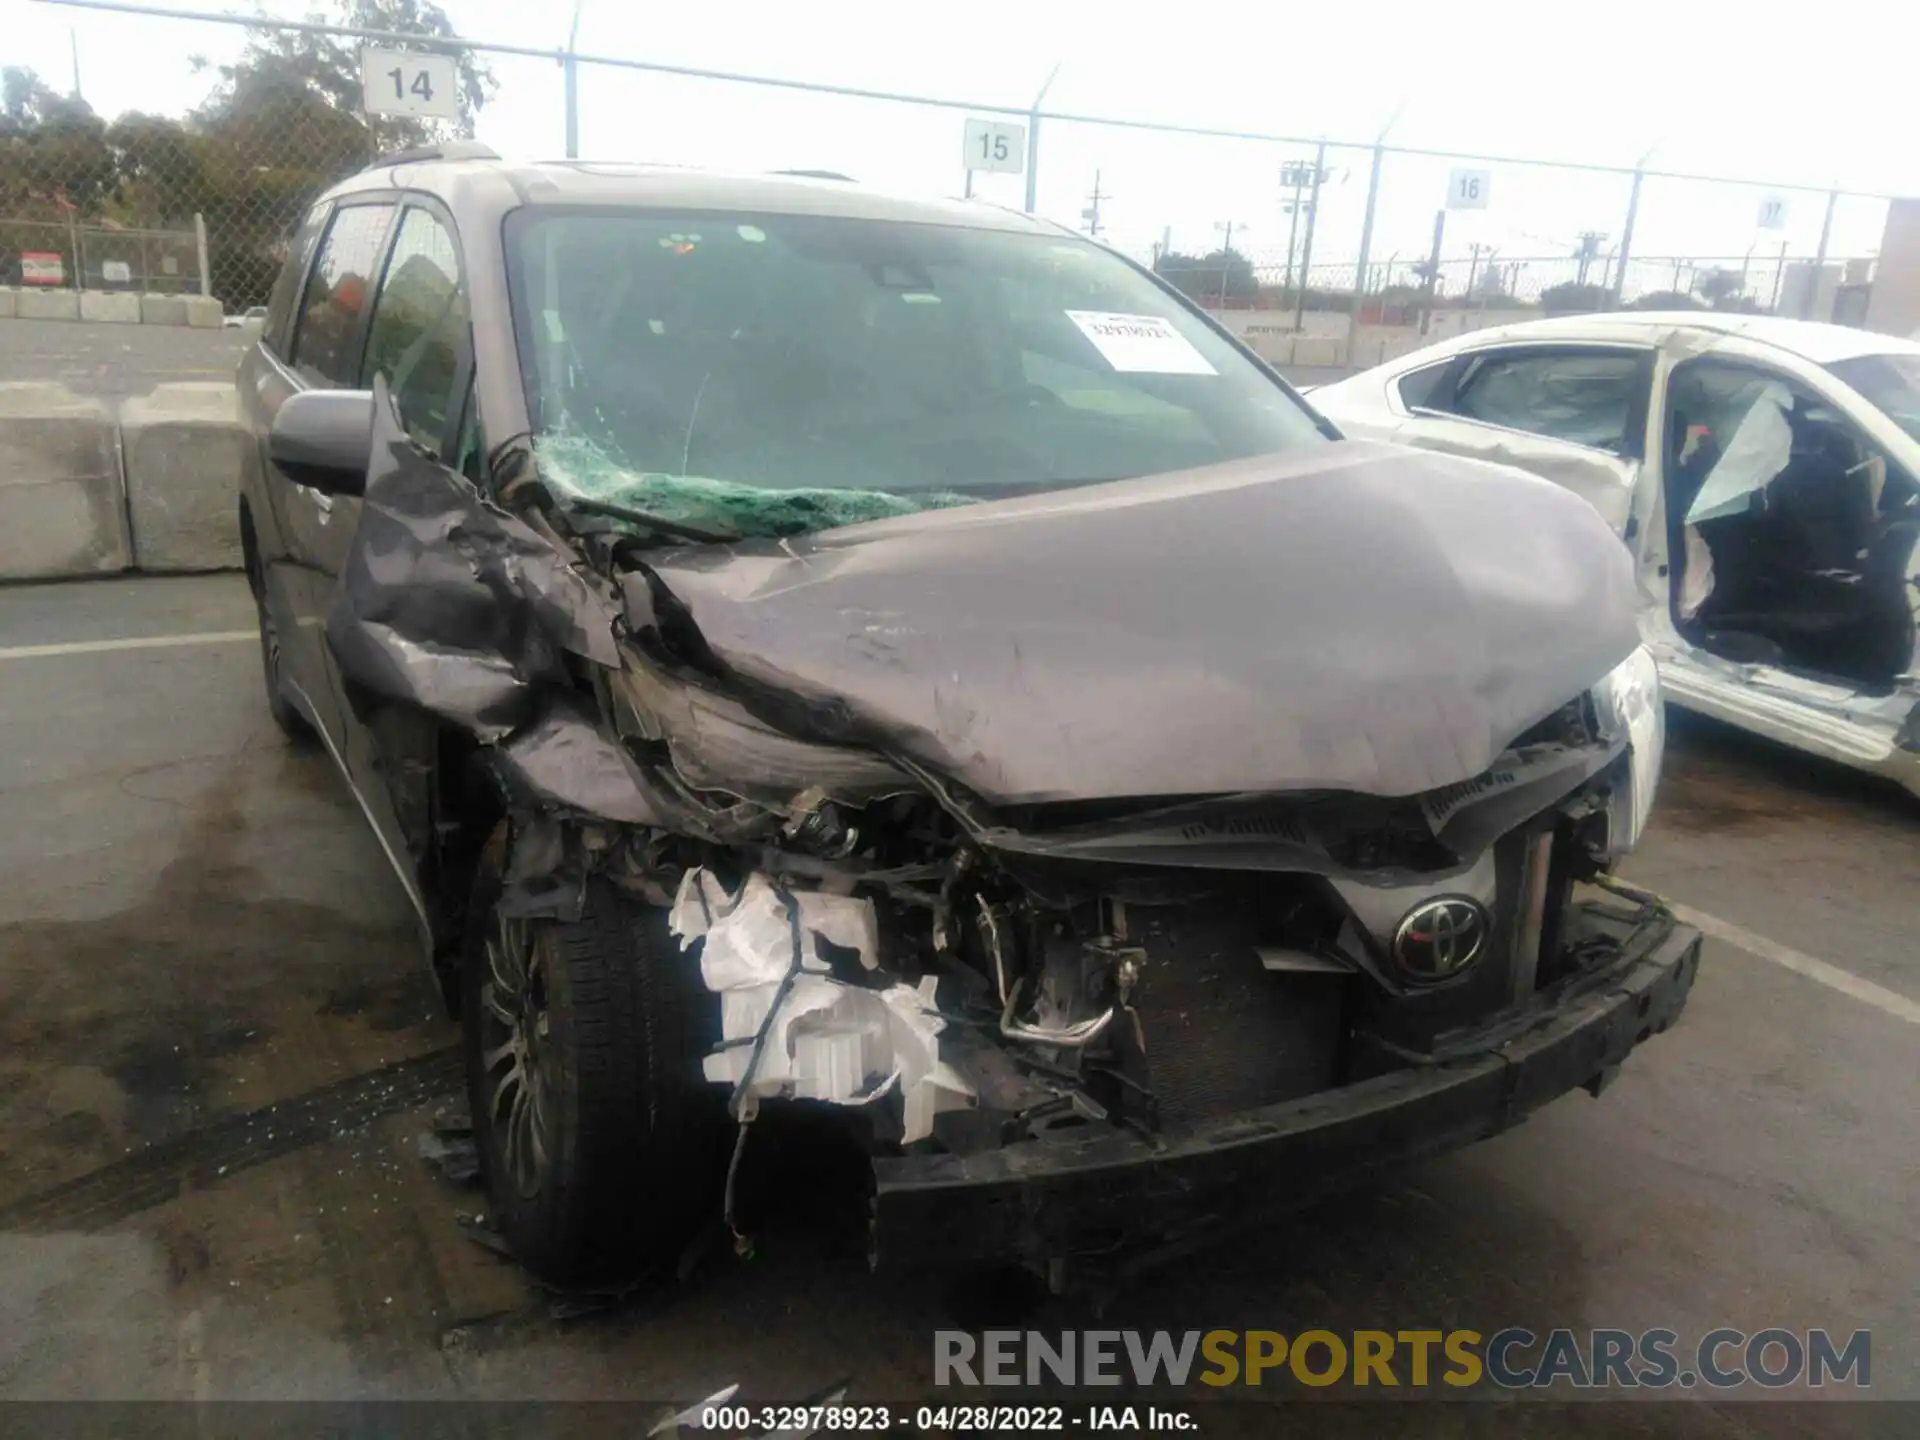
[73,42]
[1092,213]
[1295,175]
[1226,259]
[1306,250]
[1433,269]
[1474,252]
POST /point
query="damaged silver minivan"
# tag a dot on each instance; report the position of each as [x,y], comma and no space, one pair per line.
[801,647]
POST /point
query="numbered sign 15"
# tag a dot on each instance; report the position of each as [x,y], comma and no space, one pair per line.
[1469,189]
[996,145]
[402,82]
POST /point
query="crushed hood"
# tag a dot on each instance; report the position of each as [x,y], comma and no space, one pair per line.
[1357,616]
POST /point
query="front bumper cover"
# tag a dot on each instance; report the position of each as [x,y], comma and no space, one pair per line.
[1060,1196]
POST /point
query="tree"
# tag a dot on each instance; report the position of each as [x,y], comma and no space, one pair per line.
[1572,298]
[1224,274]
[54,159]
[285,121]
[1717,287]
[279,65]
[1666,300]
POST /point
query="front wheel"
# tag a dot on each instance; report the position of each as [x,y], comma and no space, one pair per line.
[602,1144]
[285,713]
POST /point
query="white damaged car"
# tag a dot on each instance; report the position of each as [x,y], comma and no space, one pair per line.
[1764,473]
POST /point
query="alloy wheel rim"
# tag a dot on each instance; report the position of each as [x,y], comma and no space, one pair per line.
[516,1027]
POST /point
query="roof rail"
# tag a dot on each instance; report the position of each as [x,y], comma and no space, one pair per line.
[816,175]
[451,150]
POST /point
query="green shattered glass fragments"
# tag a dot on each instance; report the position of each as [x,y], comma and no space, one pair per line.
[577,467]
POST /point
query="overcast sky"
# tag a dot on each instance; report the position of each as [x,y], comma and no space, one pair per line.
[1818,97]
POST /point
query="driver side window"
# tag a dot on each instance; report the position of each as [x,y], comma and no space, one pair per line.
[1741,440]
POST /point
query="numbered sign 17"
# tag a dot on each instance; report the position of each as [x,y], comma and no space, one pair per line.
[1469,189]
[1773,213]
[403,82]
[996,145]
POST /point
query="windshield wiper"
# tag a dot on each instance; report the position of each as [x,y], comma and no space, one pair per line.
[676,528]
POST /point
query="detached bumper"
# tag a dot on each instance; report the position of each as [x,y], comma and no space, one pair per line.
[1039,1198]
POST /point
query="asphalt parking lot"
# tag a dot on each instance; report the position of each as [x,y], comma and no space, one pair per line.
[219,1051]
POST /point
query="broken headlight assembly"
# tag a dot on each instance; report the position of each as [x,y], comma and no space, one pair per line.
[1628,703]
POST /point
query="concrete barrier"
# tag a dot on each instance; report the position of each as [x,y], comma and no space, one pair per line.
[34,304]
[185,451]
[62,507]
[163,309]
[1317,351]
[113,307]
[8,303]
[205,313]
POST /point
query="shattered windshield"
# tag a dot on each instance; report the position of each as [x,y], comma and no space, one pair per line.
[778,373]
[1891,383]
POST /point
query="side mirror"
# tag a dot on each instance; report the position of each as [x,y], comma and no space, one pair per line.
[323,439]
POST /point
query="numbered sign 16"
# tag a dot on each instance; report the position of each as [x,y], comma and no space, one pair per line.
[996,145]
[1469,189]
[1773,213]
[402,82]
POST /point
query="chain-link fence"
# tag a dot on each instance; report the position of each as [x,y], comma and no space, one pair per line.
[1240,220]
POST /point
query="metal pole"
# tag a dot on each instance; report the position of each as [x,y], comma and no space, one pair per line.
[1293,232]
[1626,244]
[1306,252]
[1473,266]
[1033,140]
[571,66]
[1819,259]
[1226,259]
[79,256]
[1433,269]
[200,243]
[1366,223]
[1779,271]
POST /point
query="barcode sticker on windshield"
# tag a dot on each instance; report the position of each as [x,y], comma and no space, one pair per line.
[1141,344]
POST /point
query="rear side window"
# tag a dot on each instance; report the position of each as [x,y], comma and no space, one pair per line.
[326,344]
[419,328]
[287,284]
[1420,389]
[1588,397]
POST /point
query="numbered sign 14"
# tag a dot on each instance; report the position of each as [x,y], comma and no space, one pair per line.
[1469,189]
[996,145]
[403,82]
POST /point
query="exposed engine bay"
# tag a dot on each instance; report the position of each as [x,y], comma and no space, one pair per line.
[1307,854]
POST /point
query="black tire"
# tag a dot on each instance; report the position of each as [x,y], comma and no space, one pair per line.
[613,1023]
[280,705]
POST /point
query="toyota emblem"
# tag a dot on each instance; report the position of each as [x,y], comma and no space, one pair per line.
[1441,938]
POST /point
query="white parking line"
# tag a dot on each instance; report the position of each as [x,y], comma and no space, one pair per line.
[139,642]
[1886,1001]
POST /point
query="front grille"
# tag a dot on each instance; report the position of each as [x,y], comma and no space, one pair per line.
[1224,1034]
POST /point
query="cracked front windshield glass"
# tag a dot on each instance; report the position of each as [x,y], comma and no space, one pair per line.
[770,374]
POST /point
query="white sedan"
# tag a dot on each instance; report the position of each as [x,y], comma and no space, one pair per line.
[1762,471]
